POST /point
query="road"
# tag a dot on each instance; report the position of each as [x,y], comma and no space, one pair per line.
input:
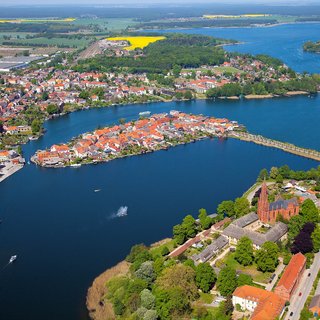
[278,271]
[253,192]
[305,286]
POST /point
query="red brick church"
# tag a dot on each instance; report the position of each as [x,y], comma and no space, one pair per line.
[268,212]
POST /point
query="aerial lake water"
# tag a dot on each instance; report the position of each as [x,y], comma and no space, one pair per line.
[65,234]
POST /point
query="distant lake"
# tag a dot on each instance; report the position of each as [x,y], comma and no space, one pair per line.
[282,41]
[63,232]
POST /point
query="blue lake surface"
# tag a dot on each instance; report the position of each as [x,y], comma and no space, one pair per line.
[64,233]
[281,41]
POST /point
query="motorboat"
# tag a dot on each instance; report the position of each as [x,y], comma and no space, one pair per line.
[75,165]
[144,113]
[97,190]
[13,258]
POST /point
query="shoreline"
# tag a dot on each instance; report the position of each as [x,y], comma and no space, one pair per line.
[11,171]
[97,307]
[263,25]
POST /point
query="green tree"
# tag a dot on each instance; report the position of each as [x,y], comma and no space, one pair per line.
[244,251]
[205,277]
[263,175]
[150,315]
[84,95]
[52,109]
[45,96]
[171,303]
[179,234]
[176,71]
[205,220]
[146,272]
[188,95]
[274,172]
[244,279]
[165,251]
[309,211]
[315,236]
[189,225]
[241,206]
[294,226]
[226,207]
[179,276]
[147,299]
[267,257]
[35,126]
[227,281]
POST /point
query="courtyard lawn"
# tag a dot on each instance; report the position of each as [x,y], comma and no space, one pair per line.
[256,275]
[137,42]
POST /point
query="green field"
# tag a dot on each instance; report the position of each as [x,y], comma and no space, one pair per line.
[109,24]
[76,43]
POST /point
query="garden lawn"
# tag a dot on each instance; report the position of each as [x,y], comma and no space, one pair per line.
[256,275]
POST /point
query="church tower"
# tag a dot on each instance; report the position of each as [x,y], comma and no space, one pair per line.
[263,204]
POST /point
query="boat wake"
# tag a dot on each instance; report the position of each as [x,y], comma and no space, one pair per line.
[122,212]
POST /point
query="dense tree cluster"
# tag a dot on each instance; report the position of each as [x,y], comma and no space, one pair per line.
[311,46]
[306,83]
[158,287]
[184,51]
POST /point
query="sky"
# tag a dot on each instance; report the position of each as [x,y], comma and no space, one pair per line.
[146,2]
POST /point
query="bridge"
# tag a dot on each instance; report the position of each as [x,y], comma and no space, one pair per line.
[288,147]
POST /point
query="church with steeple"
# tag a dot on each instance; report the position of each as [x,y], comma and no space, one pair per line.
[268,212]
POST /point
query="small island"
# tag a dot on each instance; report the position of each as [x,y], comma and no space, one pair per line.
[311,46]
[158,132]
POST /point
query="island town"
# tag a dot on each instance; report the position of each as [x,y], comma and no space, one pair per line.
[256,258]
[159,131]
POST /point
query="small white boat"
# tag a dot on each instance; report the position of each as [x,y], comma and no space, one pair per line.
[75,165]
[97,190]
[13,258]
[144,113]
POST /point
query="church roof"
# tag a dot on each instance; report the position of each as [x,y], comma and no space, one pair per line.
[283,204]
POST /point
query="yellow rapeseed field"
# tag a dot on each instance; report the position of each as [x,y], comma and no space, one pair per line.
[36,20]
[137,42]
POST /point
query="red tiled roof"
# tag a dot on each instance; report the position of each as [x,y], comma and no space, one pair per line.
[292,271]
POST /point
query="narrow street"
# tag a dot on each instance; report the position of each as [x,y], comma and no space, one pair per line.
[305,286]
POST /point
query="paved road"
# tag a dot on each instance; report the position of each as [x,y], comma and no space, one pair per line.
[297,303]
[278,271]
[253,192]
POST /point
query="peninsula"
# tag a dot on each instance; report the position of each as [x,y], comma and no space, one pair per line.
[255,255]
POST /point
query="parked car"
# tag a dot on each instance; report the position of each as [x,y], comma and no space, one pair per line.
[309,274]
[300,293]
[291,314]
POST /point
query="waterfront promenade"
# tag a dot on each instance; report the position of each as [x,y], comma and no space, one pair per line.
[287,147]
[4,174]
